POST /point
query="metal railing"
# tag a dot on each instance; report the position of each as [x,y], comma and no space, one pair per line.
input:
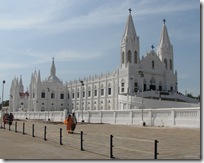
[107,145]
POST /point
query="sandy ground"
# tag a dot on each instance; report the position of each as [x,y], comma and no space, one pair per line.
[129,142]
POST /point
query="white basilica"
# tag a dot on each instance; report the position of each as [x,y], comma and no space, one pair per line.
[150,78]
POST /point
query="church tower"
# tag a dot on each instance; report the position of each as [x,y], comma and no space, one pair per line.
[129,44]
[165,49]
[165,53]
[129,50]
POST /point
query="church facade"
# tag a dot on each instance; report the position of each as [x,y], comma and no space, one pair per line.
[150,76]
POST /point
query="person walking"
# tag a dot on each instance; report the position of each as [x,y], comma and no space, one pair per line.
[10,118]
[74,122]
[69,124]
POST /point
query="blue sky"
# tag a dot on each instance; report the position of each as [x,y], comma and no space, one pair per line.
[84,37]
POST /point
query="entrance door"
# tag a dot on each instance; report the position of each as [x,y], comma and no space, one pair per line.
[152,87]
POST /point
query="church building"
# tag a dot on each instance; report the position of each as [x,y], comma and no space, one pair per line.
[150,77]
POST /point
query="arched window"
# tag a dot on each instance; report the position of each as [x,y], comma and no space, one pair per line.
[135,86]
[78,93]
[165,62]
[89,91]
[102,90]
[83,93]
[144,85]
[122,85]
[52,95]
[95,90]
[62,95]
[152,64]
[109,89]
[129,56]
[171,65]
[152,84]
[160,86]
[123,57]
[135,56]
[171,87]
[72,93]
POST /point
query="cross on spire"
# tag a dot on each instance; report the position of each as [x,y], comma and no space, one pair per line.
[152,47]
[130,10]
[164,20]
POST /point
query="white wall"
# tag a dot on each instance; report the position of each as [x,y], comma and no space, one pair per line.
[165,117]
[55,116]
[168,117]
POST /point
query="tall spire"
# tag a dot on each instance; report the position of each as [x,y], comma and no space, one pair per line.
[53,77]
[165,49]
[21,87]
[130,48]
[130,32]
[39,77]
[53,69]
[164,38]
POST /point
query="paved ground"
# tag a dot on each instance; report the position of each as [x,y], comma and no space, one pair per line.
[130,142]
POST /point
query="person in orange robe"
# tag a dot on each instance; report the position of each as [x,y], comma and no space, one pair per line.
[69,124]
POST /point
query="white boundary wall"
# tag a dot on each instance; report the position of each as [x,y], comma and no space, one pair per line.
[168,117]
[55,116]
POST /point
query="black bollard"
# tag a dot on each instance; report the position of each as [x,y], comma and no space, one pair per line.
[111,146]
[155,149]
[15,126]
[23,128]
[61,136]
[45,133]
[82,149]
[33,130]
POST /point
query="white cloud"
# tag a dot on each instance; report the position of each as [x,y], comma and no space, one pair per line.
[11,65]
[161,7]
[50,20]
[67,55]
[60,56]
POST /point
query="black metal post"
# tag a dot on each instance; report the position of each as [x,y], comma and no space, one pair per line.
[23,128]
[45,133]
[15,126]
[82,149]
[61,136]
[155,149]
[33,130]
[111,146]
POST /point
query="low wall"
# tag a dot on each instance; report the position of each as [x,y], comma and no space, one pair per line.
[55,116]
[168,117]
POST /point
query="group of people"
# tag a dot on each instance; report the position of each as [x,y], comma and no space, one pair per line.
[8,118]
[71,123]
